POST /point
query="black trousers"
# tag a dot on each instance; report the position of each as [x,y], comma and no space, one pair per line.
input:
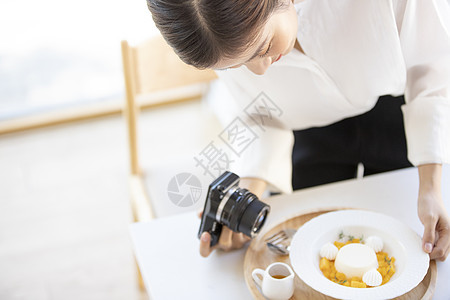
[332,153]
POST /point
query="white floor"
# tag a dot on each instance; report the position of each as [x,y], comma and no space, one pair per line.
[64,214]
[64,202]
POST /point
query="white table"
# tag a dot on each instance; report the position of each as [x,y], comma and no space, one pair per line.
[172,268]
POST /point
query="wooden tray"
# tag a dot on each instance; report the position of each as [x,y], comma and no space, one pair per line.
[259,256]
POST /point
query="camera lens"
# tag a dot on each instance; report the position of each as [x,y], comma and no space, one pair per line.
[260,220]
[241,211]
[253,218]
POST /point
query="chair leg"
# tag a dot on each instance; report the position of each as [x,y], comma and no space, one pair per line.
[140,202]
[139,278]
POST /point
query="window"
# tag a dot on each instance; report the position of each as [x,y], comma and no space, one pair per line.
[59,54]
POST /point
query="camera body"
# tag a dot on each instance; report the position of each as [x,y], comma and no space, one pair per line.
[237,208]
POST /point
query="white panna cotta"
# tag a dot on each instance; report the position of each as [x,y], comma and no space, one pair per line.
[355,259]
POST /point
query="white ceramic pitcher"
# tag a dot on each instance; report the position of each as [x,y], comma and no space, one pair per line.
[277,281]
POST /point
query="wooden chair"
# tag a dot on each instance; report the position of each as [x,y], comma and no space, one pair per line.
[154,76]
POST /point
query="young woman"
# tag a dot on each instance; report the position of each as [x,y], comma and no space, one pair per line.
[333,74]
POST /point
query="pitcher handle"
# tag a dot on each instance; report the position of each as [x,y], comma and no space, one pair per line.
[255,274]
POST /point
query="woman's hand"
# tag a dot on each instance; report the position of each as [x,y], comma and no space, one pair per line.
[432,213]
[230,240]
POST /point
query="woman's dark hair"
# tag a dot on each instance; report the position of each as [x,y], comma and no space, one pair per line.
[202,32]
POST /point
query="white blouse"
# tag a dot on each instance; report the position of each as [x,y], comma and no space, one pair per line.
[355,51]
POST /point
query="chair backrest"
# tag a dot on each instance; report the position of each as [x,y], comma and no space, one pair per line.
[155,75]
[157,68]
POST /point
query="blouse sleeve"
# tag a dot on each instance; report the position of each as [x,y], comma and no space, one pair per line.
[264,148]
[424,29]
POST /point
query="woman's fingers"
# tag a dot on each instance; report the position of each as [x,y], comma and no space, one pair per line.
[435,219]
[205,244]
[225,242]
[205,241]
[228,240]
[442,248]
[239,240]
[428,238]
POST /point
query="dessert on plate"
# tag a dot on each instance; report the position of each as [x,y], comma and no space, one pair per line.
[356,262]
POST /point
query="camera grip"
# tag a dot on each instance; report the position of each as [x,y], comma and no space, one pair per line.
[215,233]
[214,228]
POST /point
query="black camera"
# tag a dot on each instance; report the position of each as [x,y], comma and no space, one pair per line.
[237,208]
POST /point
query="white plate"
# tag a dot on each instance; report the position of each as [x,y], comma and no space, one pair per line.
[411,263]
